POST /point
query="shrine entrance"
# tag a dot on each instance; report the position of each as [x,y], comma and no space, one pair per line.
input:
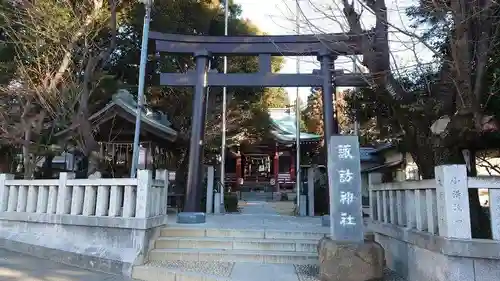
[326,47]
[256,168]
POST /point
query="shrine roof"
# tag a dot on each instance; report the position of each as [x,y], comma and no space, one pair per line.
[284,126]
[157,119]
[368,154]
[124,104]
[383,167]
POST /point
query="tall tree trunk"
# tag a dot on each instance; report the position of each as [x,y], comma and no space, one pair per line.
[421,150]
[27,157]
[424,162]
[82,166]
[480,222]
[6,159]
[94,163]
[46,172]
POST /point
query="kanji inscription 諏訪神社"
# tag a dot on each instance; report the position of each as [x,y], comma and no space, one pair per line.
[345,186]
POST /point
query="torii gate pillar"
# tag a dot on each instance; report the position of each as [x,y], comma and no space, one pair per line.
[330,125]
[195,169]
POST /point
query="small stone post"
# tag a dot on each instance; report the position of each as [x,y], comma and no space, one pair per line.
[210,190]
[144,186]
[4,191]
[218,201]
[311,172]
[64,193]
[453,201]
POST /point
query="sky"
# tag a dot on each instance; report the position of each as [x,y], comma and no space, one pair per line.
[277,17]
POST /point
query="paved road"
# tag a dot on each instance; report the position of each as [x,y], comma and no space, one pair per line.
[19,267]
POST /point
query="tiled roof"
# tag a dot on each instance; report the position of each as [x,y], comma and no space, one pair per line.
[284,126]
[125,101]
[156,119]
[368,154]
[284,130]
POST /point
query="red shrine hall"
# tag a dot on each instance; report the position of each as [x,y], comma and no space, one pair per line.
[273,161]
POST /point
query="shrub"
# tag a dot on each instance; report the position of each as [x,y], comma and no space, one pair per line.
[231,202]
[321,197]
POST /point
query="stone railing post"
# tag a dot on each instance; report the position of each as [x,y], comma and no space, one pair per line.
[4,191]
[102,200]
[495,212]
[162,174]
[64,194]
[210,189]
[453,201]
[375,202]
[144,186]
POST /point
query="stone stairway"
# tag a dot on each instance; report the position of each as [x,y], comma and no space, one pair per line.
[258,196]
[238,247]
[255,191]
[195,253]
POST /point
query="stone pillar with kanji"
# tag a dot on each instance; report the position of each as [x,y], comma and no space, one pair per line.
[339,254]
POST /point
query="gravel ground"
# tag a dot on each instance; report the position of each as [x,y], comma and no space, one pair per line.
[19,267]
[222,269]
[307,272]
[285,208]
[310,273]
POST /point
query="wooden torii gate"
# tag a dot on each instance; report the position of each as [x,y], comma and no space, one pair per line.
[326,47]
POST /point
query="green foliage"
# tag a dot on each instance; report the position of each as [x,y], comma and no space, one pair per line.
[275,98]
[436,23]
[428,87]
[247,107]
[43,35]
[7,66]
[313,113]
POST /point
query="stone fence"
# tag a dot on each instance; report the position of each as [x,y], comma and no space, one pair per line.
[102,224]
[425,226]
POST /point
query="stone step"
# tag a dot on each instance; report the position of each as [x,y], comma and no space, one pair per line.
[223,243]
[241,233]
[215,255]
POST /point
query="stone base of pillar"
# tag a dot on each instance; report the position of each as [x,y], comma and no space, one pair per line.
[222,208]
[303,205]
[191,217]
[325,220]
[217,203]
[340,261]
